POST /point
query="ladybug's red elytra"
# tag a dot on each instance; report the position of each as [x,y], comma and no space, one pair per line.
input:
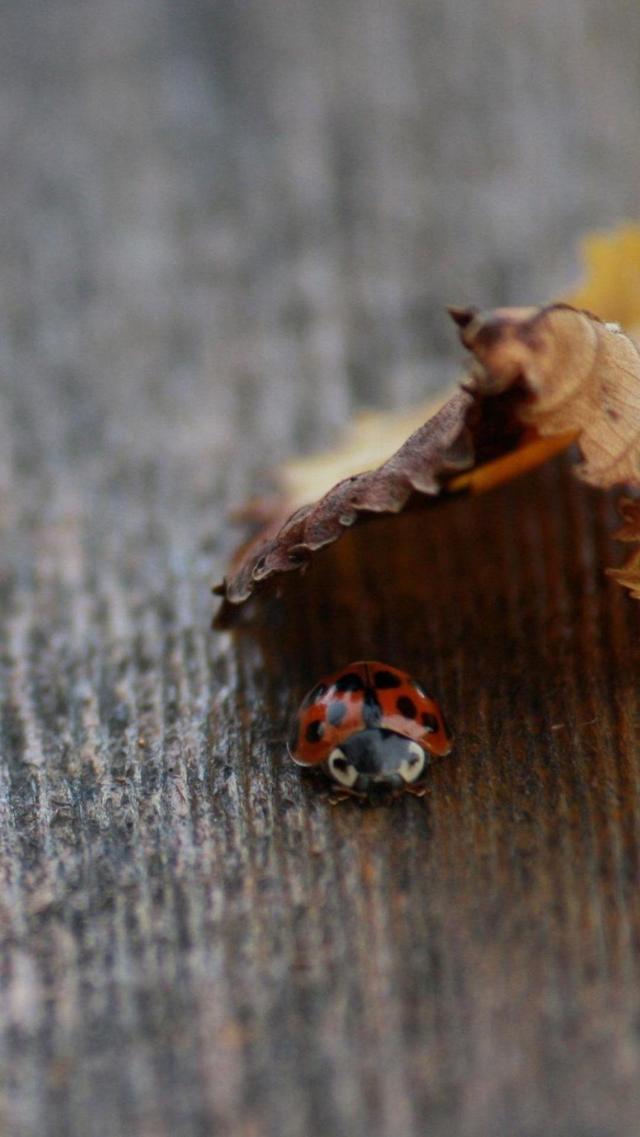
[370,727]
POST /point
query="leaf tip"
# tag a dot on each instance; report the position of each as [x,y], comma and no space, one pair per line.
[462,316]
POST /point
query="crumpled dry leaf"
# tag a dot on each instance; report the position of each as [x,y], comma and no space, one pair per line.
[581,375]
[541,379]
[468,430]
[629,574]
[610,287]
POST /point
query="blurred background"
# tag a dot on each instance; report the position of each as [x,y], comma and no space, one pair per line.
[262,208]
[224,227]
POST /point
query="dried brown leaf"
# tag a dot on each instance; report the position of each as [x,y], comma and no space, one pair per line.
[541,378]
[629,574]
[579,375]
[468,431]
[440,446]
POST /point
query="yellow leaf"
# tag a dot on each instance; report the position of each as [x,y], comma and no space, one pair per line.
[611,288]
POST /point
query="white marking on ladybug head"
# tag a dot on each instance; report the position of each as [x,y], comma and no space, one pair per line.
[341,769]
[412,766]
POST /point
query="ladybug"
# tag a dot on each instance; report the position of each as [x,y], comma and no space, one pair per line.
[371,728]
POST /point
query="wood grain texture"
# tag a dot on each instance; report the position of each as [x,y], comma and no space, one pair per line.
[223,226]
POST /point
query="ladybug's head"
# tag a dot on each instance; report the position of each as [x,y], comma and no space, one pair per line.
[377,759]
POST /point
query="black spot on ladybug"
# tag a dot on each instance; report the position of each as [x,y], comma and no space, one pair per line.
[336,713]
[430,721]
[407,707]
[386,679]
[349,682]
[314,731]
[316,693]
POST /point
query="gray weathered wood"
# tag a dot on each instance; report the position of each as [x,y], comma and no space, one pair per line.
[225,225]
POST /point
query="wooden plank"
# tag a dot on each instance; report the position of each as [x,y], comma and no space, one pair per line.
[223,227]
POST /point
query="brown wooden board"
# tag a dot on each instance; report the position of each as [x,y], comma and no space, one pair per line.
[224,226]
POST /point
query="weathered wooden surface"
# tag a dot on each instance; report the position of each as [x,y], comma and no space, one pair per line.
[223,226]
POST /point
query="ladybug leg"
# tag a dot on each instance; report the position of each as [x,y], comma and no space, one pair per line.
[416,791]
[336,796]
[343,793]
